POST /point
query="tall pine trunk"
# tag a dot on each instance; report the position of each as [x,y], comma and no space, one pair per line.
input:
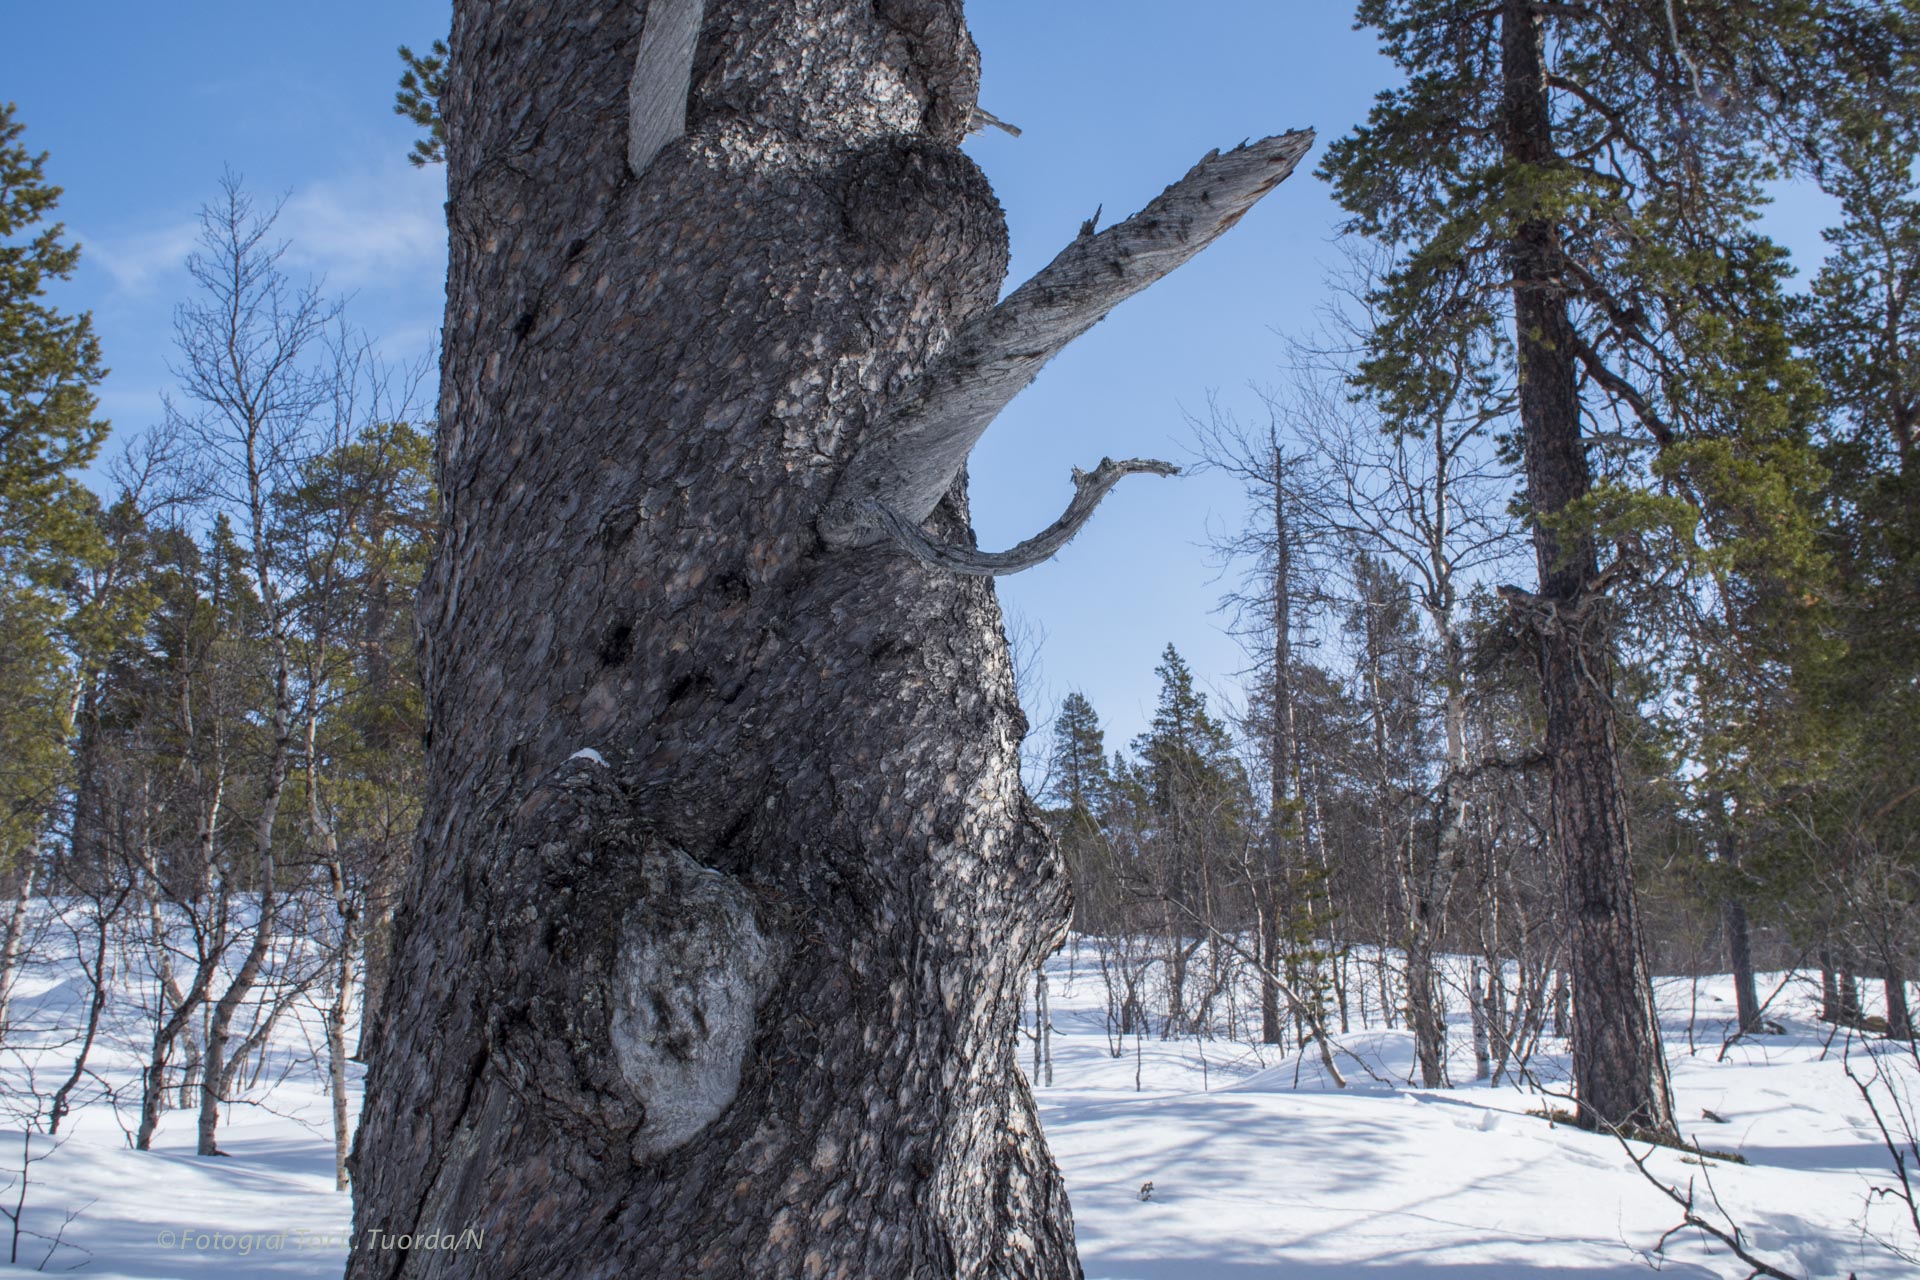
[710,959]
[1619,1065]
[1737,928]
[1746,991]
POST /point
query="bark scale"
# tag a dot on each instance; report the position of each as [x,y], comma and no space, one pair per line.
[710,960]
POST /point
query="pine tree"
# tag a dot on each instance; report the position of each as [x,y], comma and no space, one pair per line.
[1079,761]
[49,363]
[1861,330]
[365,509]
[1581,180]
[1197,799]
[418,100]
[50,366]
[760,635]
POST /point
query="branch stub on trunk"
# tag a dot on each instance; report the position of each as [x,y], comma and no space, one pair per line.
[914,449]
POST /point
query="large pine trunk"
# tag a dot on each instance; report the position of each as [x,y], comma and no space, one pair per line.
[1619,1065]
[741,1000]
[726,888]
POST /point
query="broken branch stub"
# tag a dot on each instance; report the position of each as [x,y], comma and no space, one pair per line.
[911,453]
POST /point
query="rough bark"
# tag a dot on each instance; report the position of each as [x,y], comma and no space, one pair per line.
[710,960]
[1737,929]
[1746,993]
[1899,1012]
[1619,1065]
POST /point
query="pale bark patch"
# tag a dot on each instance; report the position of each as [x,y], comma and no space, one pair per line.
[693,969]
[662,71]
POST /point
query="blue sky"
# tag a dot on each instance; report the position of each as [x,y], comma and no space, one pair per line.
[141,106]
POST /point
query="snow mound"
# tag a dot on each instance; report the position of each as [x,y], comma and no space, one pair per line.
[1368,1060]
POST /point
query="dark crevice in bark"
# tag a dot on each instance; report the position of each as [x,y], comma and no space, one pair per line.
[616,647]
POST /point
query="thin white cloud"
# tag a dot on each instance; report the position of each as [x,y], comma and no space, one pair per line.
[138,261]
[369,229]
[374,228]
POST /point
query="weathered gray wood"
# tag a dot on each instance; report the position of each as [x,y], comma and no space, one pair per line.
[1088,489]
[662,72]
[909,457]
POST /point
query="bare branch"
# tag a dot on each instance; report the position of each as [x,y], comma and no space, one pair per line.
[1730,1235]
[1643,409]
[1088,489]
[910,455]
[662,75]
[1546,613]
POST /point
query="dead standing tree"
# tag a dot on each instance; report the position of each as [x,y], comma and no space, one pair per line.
[741,1001]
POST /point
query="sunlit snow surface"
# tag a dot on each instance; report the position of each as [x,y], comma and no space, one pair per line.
[1260,1166]
[1256,1176]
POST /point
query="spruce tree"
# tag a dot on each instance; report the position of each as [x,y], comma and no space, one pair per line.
[1186,752]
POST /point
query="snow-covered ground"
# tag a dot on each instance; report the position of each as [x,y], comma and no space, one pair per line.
[1260,1166]
[270,1209]
[1268,1170]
